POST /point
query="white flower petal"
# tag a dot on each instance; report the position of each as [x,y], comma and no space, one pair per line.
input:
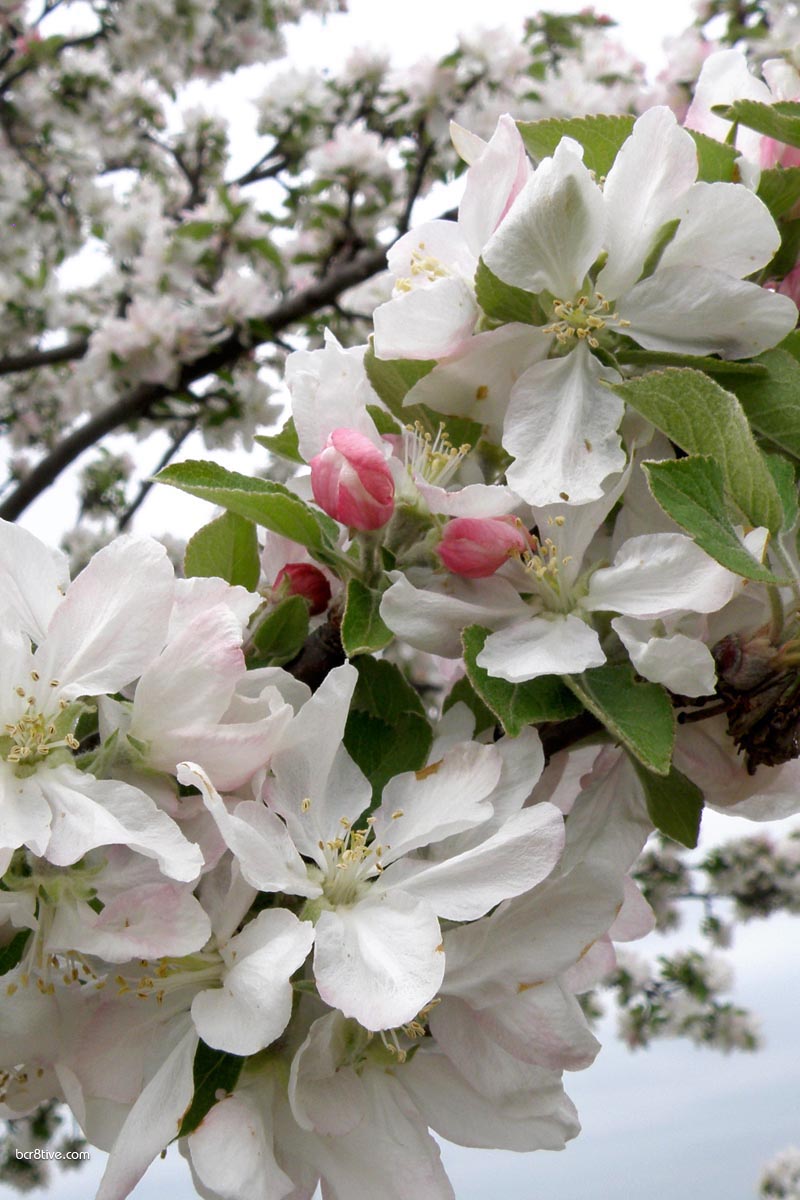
[691,310]
[113,621]
[659,573]
[683,664]
[380,961]
[561,427]
[153,1122]
[89,812]
[25,815]
[432,618]
[150,921]
[33,579]
[652,171]
[724,227]
[518,856]
[427,322]
[460,1113]
[259,840]
[232,1153]
[476,381]
[554,232]
[420,807]
[325,1091]
[254,1004]
[550,644]
[492,182]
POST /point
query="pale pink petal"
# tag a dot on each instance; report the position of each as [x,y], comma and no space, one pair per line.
[493,182]
[432,618]
[561,427]
[426,322]
[518,856]
[254,1004]
[113,621]
[550,644]
[379,961]
[325,1091]
[446,797]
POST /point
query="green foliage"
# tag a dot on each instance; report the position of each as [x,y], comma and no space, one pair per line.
[674,804]
[779,188]
[363,629]
[228,548]
[462,692]
[691,490]
[516,704]
[269,504]
[215,1075]
[283,444]
[282,633]
[780,121]
[394,378]
[637,714]
[772,404]
[502,302]
[11,954]
[702,418]
[601,137]
[387,731]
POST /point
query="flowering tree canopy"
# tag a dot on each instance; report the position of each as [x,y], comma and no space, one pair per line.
[322,842]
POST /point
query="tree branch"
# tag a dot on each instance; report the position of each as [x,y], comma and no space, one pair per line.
[32,359]
[136,403]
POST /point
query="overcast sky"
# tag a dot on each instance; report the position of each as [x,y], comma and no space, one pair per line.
[666,1123]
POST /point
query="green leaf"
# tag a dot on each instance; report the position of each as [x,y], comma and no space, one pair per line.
[384,421]
[269,504]
[516,704]
[674,803]
[700,362]
[702,418]
[228,548]
[363,630]
[783,474]
[601,137]
[282,634]
[779,188]
[716,161]
[393,378]
[284,444]
[638,715]
[383,750]
[772,404]
[214,1071]
[383,690]
[462,692]
[11,954]
[780,121]
[691,490]
[502,302]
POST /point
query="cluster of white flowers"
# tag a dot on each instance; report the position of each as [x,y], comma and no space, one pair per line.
[260,894]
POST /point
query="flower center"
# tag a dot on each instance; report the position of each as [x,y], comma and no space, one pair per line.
[350,860]
[423,268]
[583,319]
[434,459]
[35,733]
[544,565]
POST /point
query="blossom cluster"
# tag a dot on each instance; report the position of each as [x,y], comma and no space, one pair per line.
[314,850]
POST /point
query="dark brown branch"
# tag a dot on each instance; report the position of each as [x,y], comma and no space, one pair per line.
[137,403]
[32,359]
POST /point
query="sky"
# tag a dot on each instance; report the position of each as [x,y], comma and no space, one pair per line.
[670,1121]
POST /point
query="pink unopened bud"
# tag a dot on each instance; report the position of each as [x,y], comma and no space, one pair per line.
[790,285]
[351,481]
[477,547]
[306,580]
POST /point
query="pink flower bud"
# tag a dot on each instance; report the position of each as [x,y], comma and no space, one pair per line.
[306,580]
[477,547]
[351,481]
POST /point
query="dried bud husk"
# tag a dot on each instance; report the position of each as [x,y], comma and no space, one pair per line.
[762,699]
